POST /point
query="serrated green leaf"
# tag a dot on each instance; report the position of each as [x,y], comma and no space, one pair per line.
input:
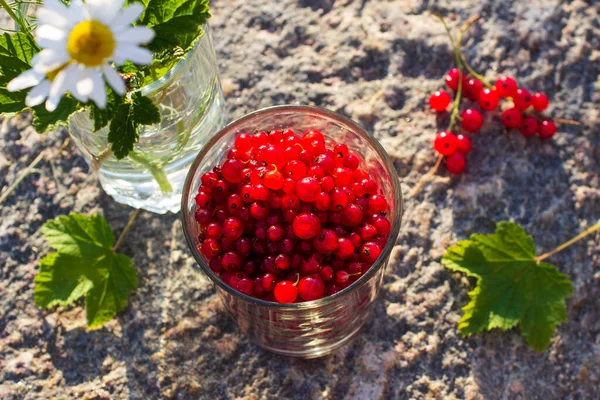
[84,265]
[145,112]
[11,102]
[102,117]
[123,132]
[512,288]
[44,120]
[16,51]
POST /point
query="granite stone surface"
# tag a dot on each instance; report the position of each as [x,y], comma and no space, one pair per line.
[376,62]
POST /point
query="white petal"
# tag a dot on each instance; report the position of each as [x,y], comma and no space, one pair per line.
[127,16]
[27,79]
[57,45]
[49,32]
[62,81]
[46,16]
[104,10]
[76,12]
[136,35]
[98,94]
[50,59]
[85,83]
[114,80]
[52,103]
[56,6]
[78,73]
[38,94]
[133,53]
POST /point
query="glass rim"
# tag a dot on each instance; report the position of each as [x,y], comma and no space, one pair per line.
[352,126]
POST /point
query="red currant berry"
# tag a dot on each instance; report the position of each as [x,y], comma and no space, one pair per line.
[283,262]
[260,192]
[339,199]
[203,199]
[325,242]
[352,215]
[259,210]
[367,232]
[285,292]
[351,161]
[439,100]
[323,202]
[540,101]
[445,143]
[456,163]
[522,99]
[273,155]
[488,99]
[529,126]
[209,179]
[382,225]
[232,170]
[369,252]
[308,189]
[472,88]
[547,129]
[273,180]
[472,120]
[306,225]
[326,273]
[275,233]
[506,86]
[463,144]
[268,282]
[340,151]
[377,204]
[512,118]
[345,249]
[311,288]
[231,261]
[213,230]
[342,278]
[310,266]
[210,248]
[232,228]
[452,78]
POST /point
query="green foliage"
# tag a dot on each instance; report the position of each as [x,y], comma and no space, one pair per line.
[84,264]
[512,288]
[124,129]
[16,51]
[100,117]
[44,120]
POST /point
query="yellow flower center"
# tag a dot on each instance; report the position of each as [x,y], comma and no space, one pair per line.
[50,75]
[90,43]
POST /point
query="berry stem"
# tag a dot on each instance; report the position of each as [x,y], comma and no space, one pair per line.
[563,246]
[129,225]
[426,177]
[567,121]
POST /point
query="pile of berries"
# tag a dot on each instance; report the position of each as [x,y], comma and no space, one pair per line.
[521,115]
[290,218]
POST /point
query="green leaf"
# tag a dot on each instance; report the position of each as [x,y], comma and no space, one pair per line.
[16,51]
[512,288]
[84,265]
[123,132]
[102,117]
[11,102]
[145,111]
[44,120]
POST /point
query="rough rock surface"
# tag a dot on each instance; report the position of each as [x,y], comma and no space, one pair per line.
[377,62]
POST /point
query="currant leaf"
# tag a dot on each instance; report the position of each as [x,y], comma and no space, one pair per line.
[84,265]
[512,287]
[44,120]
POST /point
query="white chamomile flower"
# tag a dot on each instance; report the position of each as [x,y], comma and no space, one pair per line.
[79,43]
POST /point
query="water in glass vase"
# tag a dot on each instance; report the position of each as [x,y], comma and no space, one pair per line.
[192,110]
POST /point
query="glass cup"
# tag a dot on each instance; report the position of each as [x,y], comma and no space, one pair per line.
[192,109]
[315,328]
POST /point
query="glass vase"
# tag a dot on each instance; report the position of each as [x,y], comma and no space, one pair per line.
[192,109]
[307,329]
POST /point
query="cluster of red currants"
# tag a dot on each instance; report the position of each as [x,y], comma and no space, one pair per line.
[455,147]
[290,218]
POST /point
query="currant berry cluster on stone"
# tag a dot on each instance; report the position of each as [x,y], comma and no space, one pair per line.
[290,218]
[521,115]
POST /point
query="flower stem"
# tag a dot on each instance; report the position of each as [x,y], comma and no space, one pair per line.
[157,172]
[128,227]
[563,246]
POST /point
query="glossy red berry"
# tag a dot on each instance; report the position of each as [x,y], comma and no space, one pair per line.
[540,101]
[506,86]
[273,180]
[463,144]
[472,88]
[231,261]
[311,288]
[369,252]
[345,248]
[232,170]
[308,189]
[488,99]
[472,120]
[377,204]
[439,100]
[325,242]
[522,99]
[452,78]
[512,118]
[210,248]
[306,225]
[232,228]
[456,163]
[547,129]
[285,292]
[352,215]
[445,143]
[529,127]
